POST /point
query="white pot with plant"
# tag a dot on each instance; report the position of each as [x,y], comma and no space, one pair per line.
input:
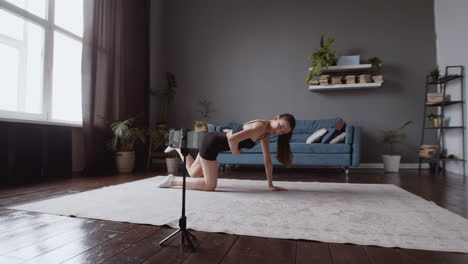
[436,119]
[393,137]
[123,143]
[172,157]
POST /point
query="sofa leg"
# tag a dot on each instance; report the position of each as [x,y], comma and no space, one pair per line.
[346,172]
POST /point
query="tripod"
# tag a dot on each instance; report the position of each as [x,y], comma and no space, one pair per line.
[186,236]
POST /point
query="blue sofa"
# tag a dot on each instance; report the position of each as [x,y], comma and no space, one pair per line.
[341,155]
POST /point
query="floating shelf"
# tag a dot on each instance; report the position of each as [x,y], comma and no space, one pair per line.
[444,159]
[445,103]
[446,79]
[333,87]
[346,68]
[444,127]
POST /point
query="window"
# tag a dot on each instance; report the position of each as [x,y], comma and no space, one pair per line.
[40,61]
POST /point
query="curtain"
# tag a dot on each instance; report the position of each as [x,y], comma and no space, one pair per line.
[115,66]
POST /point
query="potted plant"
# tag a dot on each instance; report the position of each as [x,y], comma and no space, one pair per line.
[167,94]
[392,137]
[322,57]
[435,74]
[205,110]
[172,158]
[123,143]
[436,119]
[376,69]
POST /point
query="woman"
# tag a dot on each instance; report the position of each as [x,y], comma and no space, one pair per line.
[215,142]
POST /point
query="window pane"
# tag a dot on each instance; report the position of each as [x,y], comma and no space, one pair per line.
[21,68]
[37,7]
[69,15]
[66,90]
[11,26]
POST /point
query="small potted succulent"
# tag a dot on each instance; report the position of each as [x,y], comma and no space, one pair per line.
[376,69]
[392,137]
[435,74]
[123,143]
[436,119]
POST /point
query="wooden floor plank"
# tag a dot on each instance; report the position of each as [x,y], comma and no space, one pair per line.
[113,246]
[313,252]
[248,249]
[383,255]
[212,249]
[349,254]
[414,256]
[143,249]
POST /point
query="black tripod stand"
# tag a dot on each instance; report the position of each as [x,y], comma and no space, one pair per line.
[186,236]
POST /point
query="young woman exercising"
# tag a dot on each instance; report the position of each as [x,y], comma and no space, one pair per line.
[243,137]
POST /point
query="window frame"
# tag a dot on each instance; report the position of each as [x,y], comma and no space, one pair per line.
[48,24]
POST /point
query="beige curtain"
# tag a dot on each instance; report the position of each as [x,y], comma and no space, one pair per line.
[115,74]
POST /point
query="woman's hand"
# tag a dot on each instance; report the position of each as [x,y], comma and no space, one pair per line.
[277,189]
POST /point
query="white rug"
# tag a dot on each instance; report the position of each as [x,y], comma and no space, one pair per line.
[365,214]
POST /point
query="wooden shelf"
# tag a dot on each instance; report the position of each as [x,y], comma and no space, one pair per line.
[346,68]
[333,87]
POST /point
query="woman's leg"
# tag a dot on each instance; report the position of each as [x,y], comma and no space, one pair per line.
[210,180]
[193,166]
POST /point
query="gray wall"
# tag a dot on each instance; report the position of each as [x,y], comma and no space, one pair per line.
[249,57]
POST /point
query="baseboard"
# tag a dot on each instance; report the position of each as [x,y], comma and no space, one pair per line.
[408,166]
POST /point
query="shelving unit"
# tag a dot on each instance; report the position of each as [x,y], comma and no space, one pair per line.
[441,85]
[352,69]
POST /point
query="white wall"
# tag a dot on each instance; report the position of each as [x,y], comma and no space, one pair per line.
[451,23]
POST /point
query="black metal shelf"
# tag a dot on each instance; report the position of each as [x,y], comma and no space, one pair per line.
[444,103]
[446,79]
[441,86]
[444,127]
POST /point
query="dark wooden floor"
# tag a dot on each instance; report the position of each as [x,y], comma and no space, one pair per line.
[27,237]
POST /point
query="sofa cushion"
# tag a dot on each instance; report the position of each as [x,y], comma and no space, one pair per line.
[304,148]
[329,135]
[316,136]
[310,126]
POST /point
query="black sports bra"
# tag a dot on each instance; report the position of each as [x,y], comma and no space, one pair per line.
[249,143]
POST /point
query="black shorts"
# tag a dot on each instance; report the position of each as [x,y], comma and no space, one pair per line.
[213,143]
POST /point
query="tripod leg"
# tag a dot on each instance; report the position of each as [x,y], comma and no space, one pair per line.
[192,236]
[169,237]
[189,241]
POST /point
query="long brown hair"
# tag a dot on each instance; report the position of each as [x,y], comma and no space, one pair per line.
[283,153]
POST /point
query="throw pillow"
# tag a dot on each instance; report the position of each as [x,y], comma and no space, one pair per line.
[329,135]
[316,136]
[340,127]
[339,139]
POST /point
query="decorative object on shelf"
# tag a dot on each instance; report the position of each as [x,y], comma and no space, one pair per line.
[321,58]
[392,137]
[337,79]
[348,60]
[350,79]
[436,119]
[427,151]
[324,79]
[435,98]
[314,82]
[451,156]
[167,94]
[364,78]
[435,74]
[123,143]
[376,70]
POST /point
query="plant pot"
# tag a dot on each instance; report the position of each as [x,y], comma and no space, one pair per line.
[437,122]
[125,161]
[203,128]
[172,165]
[391,163]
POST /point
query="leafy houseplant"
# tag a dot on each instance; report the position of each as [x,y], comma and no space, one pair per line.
[393,137]
[376,69]
[436,119]
[435,74]
[201,126]
[205,109]
[123,143]
[322,57]
[161,138]
[168,95]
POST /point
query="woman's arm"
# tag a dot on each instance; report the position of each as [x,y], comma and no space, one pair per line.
[235,138]
[269,164]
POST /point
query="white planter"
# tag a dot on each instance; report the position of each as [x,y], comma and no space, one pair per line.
[391,163]
[125,161]
[172,165]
